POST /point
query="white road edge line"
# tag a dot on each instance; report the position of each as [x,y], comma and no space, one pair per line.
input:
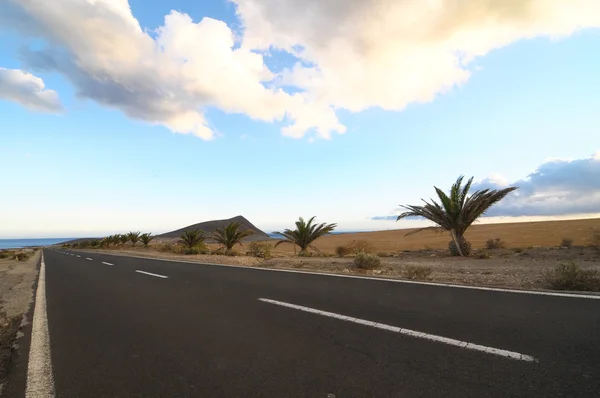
[434,284]
[408,332]
[106,263]
[151,274]
[40,381]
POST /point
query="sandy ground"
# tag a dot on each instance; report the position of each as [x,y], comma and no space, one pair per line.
[505,268]
[16,282]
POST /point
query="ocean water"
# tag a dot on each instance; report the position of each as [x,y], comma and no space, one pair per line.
[20,243]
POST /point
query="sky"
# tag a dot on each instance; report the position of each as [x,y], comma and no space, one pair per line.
[135,115]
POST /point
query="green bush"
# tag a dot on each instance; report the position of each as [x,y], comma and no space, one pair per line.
[483,255]
[200,248]
[465,246]
[416,272]
[260,250]
[342,251]
[366,261]
[21,256]
[570,276]
[566,242]
[494,244]
[6,254]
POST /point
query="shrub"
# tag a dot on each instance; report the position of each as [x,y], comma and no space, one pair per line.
[367,261]
[483,255]
[360,246]
[94,243]
[305,253]
[465,246]
[21,256]
[384,254]
[170,248]
[6,254]
[199,248]
[566,242]
[260,250]
[342,251]
[570,276]
[416,272]
[519,250]
[594,238]
[494,244]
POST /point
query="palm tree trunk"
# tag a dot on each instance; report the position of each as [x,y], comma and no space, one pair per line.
[456,242]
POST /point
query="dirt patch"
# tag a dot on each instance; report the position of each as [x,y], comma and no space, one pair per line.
[16,282]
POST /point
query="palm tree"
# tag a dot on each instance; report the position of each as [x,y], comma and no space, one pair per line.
[231,235]
[192,238]
[456,212]
[123,238]
[146,238]
[305,234]
[134,237]
[106,241]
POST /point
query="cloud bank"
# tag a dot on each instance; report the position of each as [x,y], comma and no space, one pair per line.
[351,54]
[28,90]
[556,188]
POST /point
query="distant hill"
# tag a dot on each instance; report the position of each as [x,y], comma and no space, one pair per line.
[210,227]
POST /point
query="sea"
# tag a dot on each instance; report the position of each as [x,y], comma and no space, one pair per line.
[21,243]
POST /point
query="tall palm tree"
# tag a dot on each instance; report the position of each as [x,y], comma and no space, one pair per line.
[231,235]
[192,238]
[457,211]
[146,238]
[305,234]
[134,237]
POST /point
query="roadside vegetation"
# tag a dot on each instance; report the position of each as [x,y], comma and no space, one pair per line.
[305,234]
[456,212]
[501,260]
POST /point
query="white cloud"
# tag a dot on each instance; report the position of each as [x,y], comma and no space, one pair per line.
[366,53]
[353,54]
[28,90]
[164,77]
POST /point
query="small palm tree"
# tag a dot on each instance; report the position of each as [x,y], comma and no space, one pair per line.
[231,235]
[456,212]
[134,237]
[146,238]
[192,238]
[305,234]
[123,238]
[105,242]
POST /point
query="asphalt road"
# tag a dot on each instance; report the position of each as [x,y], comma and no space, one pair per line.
[201,331]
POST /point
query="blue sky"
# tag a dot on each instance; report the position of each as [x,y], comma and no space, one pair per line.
[115,140]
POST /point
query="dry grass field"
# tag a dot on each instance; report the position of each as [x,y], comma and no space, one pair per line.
[527,234]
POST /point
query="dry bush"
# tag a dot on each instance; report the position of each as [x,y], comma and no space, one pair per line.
[494,244]
[570,276]
[519,250]
[385,254]
[594,238]
[260,250]
[416,272]
[360,246]
[566,242]
[21,256]
[342,251]
[366,261]
[170,248]
[483,255]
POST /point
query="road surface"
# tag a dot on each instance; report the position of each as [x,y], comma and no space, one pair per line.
[131,327]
